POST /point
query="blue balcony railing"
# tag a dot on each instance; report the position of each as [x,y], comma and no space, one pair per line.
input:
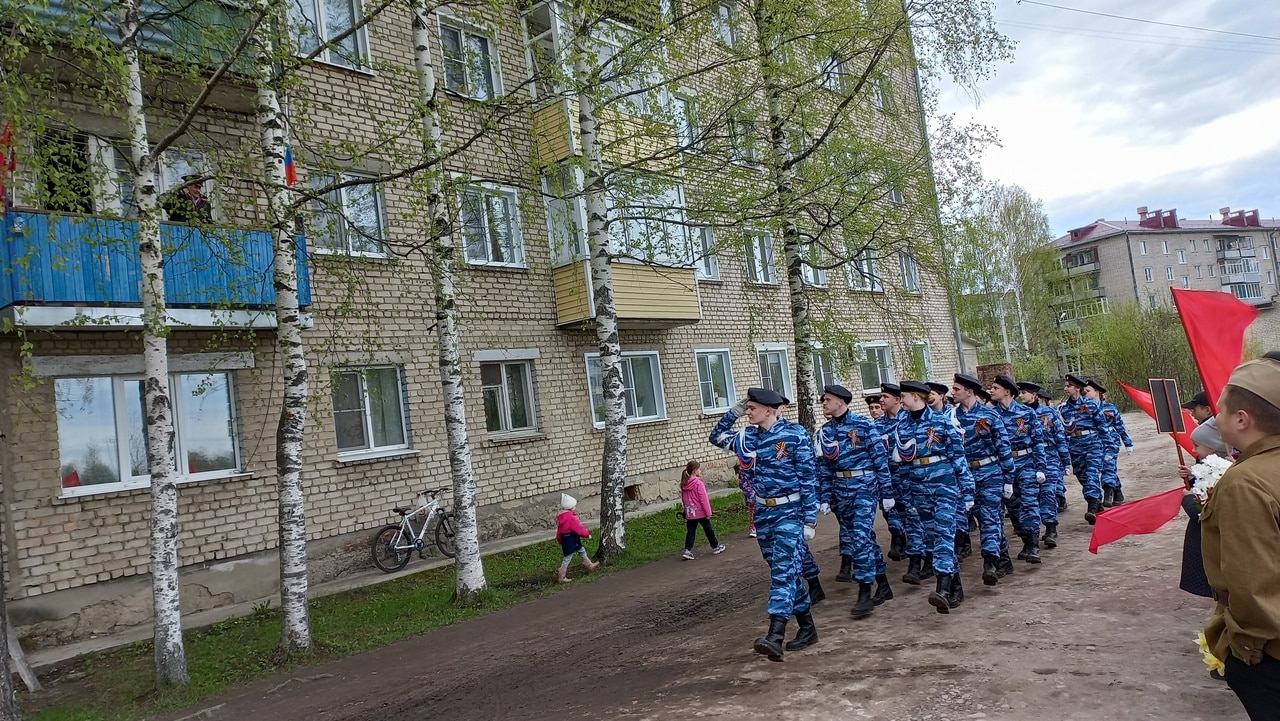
[75,260]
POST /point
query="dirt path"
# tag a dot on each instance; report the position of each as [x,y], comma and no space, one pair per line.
[1080,637]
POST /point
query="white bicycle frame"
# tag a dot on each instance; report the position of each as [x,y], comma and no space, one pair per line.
[429,506]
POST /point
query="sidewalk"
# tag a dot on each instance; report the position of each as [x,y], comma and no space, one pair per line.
[46,658]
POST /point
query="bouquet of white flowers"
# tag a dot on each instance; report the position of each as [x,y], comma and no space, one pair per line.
[1206,475]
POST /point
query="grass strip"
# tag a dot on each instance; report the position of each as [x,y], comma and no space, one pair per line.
[117,685]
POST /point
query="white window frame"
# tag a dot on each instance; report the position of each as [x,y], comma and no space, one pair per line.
[642,221]
[1164,247]
[504,398]
[863,273]
[896,194]
[1199,271]
[1142,246]
[813,277]
[684,114]
[705,382]
[627,357]
[1266,252]
[820,359]
[1150,275]
[928,355]
[708,264]
[465,31]
[179,400]
[568,245]
[1182,257]
[744,141]
[1168,273]
[1213,270]
[724,24]
[778,350]
[886,372]
[881,94]
[835,73]
[1193,246]
[1271,278]
[371,450]
[910,272]
[512,197]
[1186,281]
[328,56]
[760,258]
[343,228]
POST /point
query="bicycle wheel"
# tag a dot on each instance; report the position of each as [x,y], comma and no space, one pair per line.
[390,550]
[445,539]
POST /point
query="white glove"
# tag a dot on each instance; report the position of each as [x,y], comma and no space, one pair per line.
[740,407]
[824,509]
[888,504]
[1128,451]
[809,533]
[1008,490]
[968,506]
[1039,476]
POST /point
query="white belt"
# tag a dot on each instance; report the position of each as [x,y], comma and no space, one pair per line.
[979,463]
[1082,433]
[852,474]
[782,501]
[928,460]
[1021,453]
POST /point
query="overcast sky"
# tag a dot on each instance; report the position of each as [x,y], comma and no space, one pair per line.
[1098,116]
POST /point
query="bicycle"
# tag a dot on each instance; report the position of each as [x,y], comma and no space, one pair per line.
[395,542]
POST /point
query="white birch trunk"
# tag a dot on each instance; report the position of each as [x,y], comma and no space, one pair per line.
[470,579]
[170,656]
[10,656]
[613,466]
[295,612]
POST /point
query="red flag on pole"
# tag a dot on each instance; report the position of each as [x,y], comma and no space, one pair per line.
[1144,401]
[10,163]
[1145,515]
[1215,323]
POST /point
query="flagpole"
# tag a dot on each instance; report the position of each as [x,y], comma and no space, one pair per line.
[1213,402]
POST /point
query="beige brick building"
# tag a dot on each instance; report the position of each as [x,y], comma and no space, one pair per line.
[695,334]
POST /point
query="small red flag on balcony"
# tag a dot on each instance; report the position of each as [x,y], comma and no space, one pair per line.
[1215,323]
[290,168]
[1144,401]
[1145,515]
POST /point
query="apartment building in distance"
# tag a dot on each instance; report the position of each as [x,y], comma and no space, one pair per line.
[1137,261]
[696,331]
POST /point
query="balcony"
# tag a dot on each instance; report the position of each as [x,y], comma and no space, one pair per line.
[1082,269]
[79,270]
[625,138]
[648,297]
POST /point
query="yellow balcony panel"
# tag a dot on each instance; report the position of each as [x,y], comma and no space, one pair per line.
[555,126]
[624,138]
[647,297]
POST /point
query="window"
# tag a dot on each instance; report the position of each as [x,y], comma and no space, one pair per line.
[835,74]
[875,368]
[1150,276]
[647,220]
[544,26]
[708,264]
[1082,257]
[566,214]
[910,273]
[102,430]
[1193,246]
[881,95]
[641,388]
[1168,272]
[760,258]
[1164,247]
[369,410]
[316,20]
[1213,271]
[774,373]
[824,369]
[348,219]
[1246,291]
[508,396]
[1199,272]
[862,272]
[724,25]
[1266,253]
[715,380]
[742,140]
[1186,281]
[684,113]
[1142,246]
[1206,245]
[490,225]
[816,277]
[921,360]
[895,195]
[1182,257]
[470,68]
[1271,279]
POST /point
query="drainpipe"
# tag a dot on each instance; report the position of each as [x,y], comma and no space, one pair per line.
[1133,270]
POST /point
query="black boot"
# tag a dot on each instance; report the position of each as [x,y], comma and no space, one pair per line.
[1026,545]
[771,643]
[964,544]
[938,599]
[806,635]
[973,522]
[1094,508]
[926,568]
[912,576]
[1050,539]
[883,592]
[1116,497]
[865,605]
[846,569]
[956,597]
[816,594]
[897,543]
[1004,565]
[1062,503]
[990,574]
[1106,497]
[1033,548]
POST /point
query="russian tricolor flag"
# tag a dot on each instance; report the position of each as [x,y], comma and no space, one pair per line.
[290,168]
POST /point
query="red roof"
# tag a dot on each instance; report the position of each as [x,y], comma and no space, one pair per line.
[1099,229]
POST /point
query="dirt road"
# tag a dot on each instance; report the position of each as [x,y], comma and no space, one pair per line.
[1079,637]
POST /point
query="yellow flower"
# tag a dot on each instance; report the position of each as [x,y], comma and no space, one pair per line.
[1207,656]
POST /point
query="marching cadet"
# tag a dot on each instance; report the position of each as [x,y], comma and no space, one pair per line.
[896,517]
[939,478]
[853,478]
[874,409]
[985,397]
[1111,493]
[781,455]
[939,403]
[1086,437]
[809,570]
[1057,457]
[986,447]
[1046,399]
[1026,443]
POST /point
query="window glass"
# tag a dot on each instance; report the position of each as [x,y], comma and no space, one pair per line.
[87,431]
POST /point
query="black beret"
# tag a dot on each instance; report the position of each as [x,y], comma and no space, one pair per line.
[968,381]
[1044,394]
[1075,381]
[937,387]
[765,397]
[1029,386]
[1095,385]
[984,394]
[913,387]
[872,400]
[1006,382]
[1199,399]
[892,389]
[839,391]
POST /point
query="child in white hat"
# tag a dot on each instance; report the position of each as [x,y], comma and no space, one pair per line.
[569,534]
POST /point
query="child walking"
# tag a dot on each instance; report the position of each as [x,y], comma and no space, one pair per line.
[697,510]
[569,534]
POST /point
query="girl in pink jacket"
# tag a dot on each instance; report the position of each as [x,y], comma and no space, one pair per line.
[697,510]
[569,534]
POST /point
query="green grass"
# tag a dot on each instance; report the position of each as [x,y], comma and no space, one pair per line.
[117,685]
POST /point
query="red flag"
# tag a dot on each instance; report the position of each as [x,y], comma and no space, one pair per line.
[290,168]
[1215,323]
[1145,515]
[10,163]
[1143,399]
